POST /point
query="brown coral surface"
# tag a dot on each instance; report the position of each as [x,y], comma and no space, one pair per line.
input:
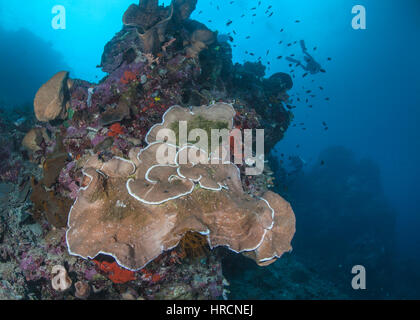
[136,209]
[50,100]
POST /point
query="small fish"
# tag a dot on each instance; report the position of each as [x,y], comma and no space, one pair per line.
[322,162]
[254,8]
[279,57]
[329,59]
[248,37]
[242,15]
[297,21]
[321,88]
[271,14]
[322,70]
[304,75]
[308,91]
[280,42]
[327,99]
[315,48]
[229,23]
[281,30]
[268,52]
[289,44]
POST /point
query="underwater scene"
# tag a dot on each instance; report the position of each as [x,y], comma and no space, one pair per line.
[209,150]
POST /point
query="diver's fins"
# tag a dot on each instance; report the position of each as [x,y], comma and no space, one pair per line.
[293,60]
[303,45]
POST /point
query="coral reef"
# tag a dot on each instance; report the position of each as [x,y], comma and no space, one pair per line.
[50,101]
[136,209]
[91,156]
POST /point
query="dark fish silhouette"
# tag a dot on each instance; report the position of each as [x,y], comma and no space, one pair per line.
[229,23]
[279,57]
[304,75]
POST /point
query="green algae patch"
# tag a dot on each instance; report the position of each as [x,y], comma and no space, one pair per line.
[199,122]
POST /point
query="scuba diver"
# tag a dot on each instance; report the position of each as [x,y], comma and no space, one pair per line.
[312,66]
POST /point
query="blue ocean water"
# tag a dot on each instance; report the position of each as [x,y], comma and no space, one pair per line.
[368,98]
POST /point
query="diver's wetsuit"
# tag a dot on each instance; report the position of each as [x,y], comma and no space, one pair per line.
[312,66]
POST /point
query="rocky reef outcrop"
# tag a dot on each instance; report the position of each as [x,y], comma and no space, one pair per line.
[96,144]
